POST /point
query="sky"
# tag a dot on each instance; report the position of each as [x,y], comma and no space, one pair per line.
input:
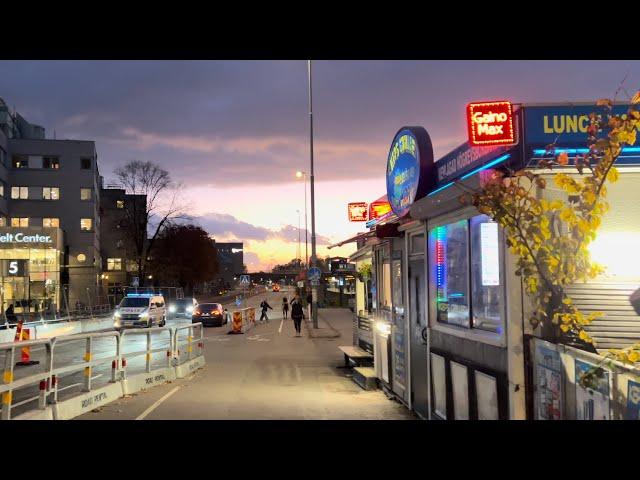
[234,133]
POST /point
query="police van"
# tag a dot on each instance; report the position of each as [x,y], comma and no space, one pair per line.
[140,310]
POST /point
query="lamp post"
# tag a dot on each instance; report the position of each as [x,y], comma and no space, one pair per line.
[300,174]
[299,251]
[314,260]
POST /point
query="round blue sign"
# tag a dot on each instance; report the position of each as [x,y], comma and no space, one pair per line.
[409,168]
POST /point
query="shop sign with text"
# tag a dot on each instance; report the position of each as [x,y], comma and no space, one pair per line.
[358,212]
[491,123]
[409,168]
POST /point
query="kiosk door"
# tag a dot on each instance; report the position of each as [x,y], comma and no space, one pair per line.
[419,350]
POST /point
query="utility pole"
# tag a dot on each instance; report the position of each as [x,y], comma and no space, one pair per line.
[314,260]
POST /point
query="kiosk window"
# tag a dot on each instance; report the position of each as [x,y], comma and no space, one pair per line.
[466,273]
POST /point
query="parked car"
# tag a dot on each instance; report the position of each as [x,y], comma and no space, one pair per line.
[210,314]
[140,310]
[182,307]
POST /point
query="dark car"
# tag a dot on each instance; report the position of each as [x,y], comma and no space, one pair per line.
[182,307]
[210,314]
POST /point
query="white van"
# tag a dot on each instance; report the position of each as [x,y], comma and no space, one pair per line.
[140,310]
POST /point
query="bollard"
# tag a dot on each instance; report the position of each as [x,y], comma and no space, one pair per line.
[114,371]
[124,368]
[87,370]
[25,359]
[54,387]
[148,356]
[42,395]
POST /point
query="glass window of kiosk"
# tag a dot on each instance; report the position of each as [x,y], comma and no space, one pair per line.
[465,265]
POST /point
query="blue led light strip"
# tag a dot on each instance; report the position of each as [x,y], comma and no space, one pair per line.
[492,163]
[542,151]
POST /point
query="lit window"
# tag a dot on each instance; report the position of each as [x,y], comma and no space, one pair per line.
[3,222]
[50,193]
[20,222]
[85,194]
[86,224]
[51,163]
[2,184]
[21,193]
[20,161]
[51,222]
[119,203]
[114,264]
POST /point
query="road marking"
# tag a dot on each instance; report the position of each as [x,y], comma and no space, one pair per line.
[157,403]
[280,329]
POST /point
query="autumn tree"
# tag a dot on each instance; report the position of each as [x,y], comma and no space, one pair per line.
[550,238]
[145,220]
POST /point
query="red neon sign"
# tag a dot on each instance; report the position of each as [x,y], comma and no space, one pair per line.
[378,209]
[358,212]
[490,123]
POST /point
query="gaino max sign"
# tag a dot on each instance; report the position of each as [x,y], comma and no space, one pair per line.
[490,123]
[409,168]
[21,237]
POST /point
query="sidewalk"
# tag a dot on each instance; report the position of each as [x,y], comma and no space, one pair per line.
[325,328]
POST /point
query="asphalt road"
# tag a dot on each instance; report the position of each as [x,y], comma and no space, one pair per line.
[266,373]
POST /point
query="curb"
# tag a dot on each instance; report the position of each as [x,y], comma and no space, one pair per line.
[322,332]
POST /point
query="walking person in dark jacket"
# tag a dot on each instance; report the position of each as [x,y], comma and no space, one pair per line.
[285,307]
[265,306]
[297,314]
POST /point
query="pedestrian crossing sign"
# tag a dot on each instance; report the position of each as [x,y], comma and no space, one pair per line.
[245,280]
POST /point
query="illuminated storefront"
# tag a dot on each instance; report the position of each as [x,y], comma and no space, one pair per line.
[30,261]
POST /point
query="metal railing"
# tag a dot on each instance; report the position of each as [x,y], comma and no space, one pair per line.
[148,351]
[10,384]
[188,341]
[180,340]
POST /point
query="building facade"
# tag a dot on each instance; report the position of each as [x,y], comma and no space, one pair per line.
[230,262]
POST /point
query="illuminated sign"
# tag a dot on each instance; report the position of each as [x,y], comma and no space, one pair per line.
[490,123]
[14,268]
[489,254]
[20,237]
[378,209]
[358,212]
[409,168]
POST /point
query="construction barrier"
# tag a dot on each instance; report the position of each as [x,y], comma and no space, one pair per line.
[25,351]
[178,359]
[243,320]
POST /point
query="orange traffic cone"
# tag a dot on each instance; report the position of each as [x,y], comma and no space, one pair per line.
[25,351]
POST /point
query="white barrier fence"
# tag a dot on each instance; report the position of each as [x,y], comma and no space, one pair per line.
[558,395]
[122,349]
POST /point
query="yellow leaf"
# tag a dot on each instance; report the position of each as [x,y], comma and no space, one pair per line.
[633,356]
[564,328]
[567,301]
[613,175]
[555,205]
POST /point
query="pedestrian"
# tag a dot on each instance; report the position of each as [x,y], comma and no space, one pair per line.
[11,316]
[265,306]
[309,302]
[297,314]
[285,307]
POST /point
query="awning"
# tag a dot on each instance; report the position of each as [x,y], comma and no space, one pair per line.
[362,252]
[360,236]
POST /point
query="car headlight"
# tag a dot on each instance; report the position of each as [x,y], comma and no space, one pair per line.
[172,308]
[117,315]
[189,309]
[144,315]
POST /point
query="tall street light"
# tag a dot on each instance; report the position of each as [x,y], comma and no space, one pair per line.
[314,260]
[300,174]
[299,251]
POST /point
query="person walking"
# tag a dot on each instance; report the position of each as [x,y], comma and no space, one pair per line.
[309,302]
[297,314]
[265,306]
[10,315]
[285,307]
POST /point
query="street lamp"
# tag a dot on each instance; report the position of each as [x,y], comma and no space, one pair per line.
[299,251]
[314,289]
[300,174]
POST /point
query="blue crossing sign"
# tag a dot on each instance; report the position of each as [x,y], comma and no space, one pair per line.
[245,280]
[314,274]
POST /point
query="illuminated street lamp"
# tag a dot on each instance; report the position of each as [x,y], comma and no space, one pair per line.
[314,259]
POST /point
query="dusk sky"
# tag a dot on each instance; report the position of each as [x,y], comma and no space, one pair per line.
[235,132]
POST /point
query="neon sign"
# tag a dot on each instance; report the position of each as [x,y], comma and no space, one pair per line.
[378,209]
[358,212]
[490,123]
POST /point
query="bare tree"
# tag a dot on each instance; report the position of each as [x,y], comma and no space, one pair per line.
[146,218]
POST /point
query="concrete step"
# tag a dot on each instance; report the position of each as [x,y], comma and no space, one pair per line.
[365,377]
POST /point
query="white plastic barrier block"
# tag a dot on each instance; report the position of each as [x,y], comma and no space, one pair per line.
[85,402]
[7,336]
[46,414]
[142,381]
[189,367]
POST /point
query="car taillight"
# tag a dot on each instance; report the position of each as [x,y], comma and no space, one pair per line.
[198,312]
